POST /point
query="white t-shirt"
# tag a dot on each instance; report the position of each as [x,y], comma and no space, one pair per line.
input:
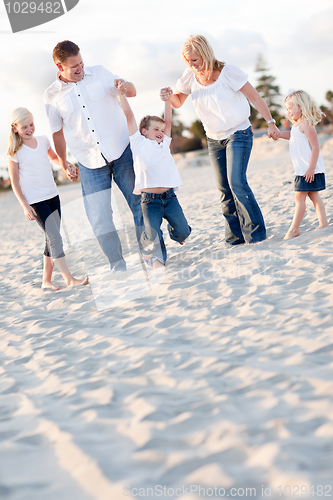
[300,152]
[220,106]
[153,163]
[35,171]
[90,115]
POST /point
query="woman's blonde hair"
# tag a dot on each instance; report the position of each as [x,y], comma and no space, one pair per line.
[15,142]
[309,108]
[199,45]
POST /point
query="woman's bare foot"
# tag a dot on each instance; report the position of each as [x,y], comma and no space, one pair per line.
[50,285]
[292,233]
[76,282]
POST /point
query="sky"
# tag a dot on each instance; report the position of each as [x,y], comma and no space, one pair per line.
[141,42]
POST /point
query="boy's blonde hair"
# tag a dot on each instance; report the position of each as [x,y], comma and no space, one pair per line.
[15,142]
[309,108]
[199,45]
[146,122]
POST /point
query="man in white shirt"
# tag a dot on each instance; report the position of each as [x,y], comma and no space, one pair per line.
[83,112]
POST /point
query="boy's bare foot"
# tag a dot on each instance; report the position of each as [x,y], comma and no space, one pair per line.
[76,282]
[292,233]
[51,286]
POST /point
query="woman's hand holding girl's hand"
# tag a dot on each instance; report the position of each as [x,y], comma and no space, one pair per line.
[166,93]
[29,212]
[273,131]
[309,174]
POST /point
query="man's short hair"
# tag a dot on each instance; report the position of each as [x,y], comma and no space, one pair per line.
[63,50]
[146,122]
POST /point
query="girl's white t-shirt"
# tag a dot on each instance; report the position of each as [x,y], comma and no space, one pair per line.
[153,163]
[35,171]
[221,107]
[300,152]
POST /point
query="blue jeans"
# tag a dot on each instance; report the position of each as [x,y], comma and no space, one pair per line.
[98,206]
[48,217]
[243,218]
[155,208]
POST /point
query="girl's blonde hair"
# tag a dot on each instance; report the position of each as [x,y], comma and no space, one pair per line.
[199,45]
[309,108]
[15,142]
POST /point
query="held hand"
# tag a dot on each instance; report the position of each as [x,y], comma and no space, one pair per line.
[30,213]
[273,131]
[72,172]
[121,86]
[166,93]
[309,174]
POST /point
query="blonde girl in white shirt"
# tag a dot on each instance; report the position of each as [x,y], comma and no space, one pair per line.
[304,114]
[33,184]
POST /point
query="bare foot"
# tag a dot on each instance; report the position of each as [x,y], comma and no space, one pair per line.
[322,227]
[292,233]
[157,264]
[76,282]
[50,285]
[182,242]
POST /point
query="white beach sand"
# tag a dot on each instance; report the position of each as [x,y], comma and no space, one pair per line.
[216,375]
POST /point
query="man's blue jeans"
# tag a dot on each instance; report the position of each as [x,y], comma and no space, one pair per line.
[155,208]
[243,218]
[96,189]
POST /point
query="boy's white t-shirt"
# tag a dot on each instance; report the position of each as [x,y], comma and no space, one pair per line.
[35,171]
[221,107]
[153,163]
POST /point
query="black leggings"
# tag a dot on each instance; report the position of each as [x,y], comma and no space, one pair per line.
[48,217]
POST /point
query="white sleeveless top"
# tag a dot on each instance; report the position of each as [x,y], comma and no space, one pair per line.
[300,152]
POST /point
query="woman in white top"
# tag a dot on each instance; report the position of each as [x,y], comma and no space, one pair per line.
[33,184]
[219,93]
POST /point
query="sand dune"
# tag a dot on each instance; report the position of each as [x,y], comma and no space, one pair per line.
[213,376]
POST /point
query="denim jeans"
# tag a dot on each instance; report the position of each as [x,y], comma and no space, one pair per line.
[98,206]
[155,208]
[48,217]
[243,218]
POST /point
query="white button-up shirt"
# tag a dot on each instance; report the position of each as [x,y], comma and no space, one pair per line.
[89,113]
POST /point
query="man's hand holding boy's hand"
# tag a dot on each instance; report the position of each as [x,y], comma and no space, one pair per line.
[166,93]
[121,86]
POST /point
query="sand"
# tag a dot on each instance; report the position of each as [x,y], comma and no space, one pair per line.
[211,379]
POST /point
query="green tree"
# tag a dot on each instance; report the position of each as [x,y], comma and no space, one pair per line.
[268,90]
[197,129]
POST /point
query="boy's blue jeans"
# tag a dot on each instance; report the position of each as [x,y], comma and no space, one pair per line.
[243,218]
[155,208]
[96,191]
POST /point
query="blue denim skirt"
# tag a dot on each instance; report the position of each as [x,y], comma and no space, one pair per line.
[318,184]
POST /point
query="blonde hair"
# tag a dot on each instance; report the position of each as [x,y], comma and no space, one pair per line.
[15,142]
[199,45]
[309,108]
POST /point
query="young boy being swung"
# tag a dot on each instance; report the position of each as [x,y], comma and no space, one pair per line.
[156,176]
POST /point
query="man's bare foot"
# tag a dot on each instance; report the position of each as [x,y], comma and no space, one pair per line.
[292,233]
[50,285]
[157,264]
[76,282]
